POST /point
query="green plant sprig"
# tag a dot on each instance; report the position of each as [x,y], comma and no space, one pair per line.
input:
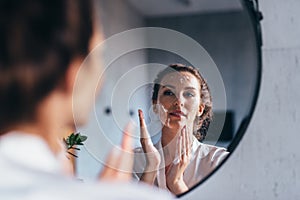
[73,140]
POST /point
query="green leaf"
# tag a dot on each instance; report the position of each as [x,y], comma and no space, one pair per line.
[76,138]
[83,138]
[72,139]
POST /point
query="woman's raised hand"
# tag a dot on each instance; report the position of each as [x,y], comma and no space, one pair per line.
[152,155]
[174,174]
[119,163]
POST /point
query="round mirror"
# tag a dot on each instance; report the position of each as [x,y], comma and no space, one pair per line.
[220,39]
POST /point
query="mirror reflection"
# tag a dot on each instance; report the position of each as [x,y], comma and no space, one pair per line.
[184,123]
[182,100]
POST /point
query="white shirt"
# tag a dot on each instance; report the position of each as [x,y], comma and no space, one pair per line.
[203,161]
[29,170]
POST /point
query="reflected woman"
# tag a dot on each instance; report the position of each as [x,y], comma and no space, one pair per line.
[182,100]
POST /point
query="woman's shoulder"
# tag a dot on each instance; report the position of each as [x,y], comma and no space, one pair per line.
[211,152]
[210,147]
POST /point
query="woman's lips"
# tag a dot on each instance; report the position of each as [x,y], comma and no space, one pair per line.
[177,113]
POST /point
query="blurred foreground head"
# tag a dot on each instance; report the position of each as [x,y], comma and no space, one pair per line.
[39,39]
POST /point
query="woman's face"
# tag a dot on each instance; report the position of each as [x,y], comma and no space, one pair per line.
[179,100]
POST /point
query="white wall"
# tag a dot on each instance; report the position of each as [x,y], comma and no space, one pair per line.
[266,164]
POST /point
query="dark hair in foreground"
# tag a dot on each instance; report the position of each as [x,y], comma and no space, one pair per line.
[38,40]
[204,120]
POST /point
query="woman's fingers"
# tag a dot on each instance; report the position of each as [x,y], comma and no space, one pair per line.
[143,128]
[111,163]
[185,146]
[179,150]
[119,162]
[188,142]
[152,155]
[176,170]
[127,140]
[118,166]
[141,117]
[144,134]
[183,141]
[126,160]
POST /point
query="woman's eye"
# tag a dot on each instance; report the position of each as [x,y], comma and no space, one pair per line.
[189,94]
[168,93]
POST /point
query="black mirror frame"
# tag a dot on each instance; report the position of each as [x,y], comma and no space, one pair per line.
[250,6]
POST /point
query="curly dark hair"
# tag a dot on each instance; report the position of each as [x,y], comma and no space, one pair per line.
[202,123]
[38,40]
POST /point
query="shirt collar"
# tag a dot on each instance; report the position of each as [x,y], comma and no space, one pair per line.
[29,151]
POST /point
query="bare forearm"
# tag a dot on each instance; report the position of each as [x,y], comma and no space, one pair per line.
[178,187]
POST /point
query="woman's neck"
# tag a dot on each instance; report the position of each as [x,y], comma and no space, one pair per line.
[168,135]
[169,141]
[49,124]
